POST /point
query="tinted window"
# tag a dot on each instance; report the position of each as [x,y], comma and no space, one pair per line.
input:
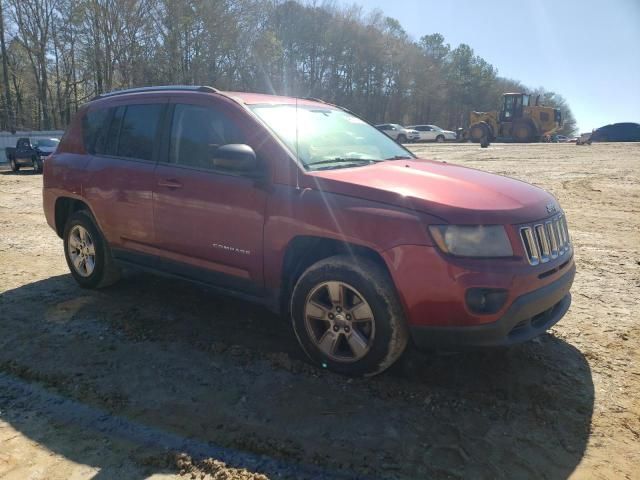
[93,123]
[107,142]
[47,142]
[138,131]
[197,132]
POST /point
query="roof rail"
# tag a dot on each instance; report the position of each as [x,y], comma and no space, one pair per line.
[174,88]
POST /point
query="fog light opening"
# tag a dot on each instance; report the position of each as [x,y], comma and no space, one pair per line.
[485,301]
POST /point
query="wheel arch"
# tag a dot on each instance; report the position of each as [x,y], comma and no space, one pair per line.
[64,207]
[303,251]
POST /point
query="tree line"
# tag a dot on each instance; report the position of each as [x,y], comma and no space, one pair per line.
[58,54]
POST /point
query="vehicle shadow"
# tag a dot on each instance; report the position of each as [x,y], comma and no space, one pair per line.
[187,370]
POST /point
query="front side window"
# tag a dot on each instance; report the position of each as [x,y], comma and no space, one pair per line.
[326,137]
[197,132]
[138,131]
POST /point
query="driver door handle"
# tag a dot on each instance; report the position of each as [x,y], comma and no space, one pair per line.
[170,183]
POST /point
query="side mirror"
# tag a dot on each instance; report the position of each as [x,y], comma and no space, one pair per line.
[235,157]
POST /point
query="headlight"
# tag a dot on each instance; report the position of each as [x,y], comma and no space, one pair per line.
[472,240]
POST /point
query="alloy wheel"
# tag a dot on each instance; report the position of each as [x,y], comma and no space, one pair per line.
[82,251]
[339,321]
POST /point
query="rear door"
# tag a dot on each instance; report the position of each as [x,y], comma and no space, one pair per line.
[120,188]
[208,222]
[428,133]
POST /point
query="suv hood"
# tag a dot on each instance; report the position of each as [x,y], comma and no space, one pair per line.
[455,194]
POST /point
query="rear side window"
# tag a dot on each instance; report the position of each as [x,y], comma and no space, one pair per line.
[107,142]
[93,124]
[138,131]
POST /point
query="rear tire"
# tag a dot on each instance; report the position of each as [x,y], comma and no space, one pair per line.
[347,317]
[14,166]
[87,253]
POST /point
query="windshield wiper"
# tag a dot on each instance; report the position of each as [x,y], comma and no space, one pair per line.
[342,162]
[399,157]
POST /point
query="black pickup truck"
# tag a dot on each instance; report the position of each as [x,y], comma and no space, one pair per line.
[28,154]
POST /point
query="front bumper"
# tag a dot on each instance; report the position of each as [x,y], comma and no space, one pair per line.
[528,316]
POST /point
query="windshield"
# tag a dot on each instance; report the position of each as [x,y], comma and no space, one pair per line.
[328,138]
[47,142]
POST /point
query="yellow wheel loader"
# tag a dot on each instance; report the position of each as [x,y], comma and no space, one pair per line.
[517,121]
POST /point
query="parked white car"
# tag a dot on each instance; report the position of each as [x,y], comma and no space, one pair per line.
[433,133]
[399,133]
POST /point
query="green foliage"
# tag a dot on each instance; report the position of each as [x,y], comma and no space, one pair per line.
[367,63]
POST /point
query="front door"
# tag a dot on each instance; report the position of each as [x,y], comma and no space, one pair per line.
[208,222]
[427,133]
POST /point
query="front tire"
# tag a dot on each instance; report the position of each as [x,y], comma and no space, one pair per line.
[347,317]
[479,132]
[523,132]
[439,139]
[87,253]
[14,166]
[402,138]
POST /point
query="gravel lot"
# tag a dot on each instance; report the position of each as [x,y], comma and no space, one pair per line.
[156,378]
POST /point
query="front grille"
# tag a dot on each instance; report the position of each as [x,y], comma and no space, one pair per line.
[547,240]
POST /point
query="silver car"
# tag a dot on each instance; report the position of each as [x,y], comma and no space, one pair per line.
[433,133]
[399,133]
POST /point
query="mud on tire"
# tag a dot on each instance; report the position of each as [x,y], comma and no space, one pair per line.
[387,335]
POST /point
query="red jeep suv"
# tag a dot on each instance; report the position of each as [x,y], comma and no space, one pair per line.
[308,209]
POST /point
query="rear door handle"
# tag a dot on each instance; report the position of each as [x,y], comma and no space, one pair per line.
[170,183]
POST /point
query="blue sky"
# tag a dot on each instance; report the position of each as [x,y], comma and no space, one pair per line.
[588,51]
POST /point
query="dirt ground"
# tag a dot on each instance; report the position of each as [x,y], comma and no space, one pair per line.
[156,378]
